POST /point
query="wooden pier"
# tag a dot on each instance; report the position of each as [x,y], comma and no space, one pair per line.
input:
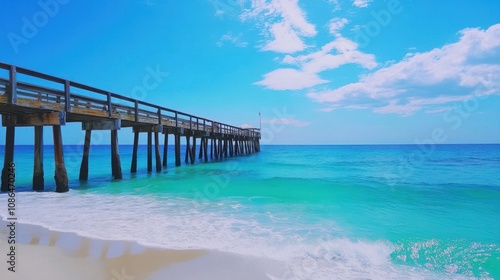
[29,98]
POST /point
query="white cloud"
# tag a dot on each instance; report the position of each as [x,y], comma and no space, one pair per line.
[235,40]
[290,79]
[336,24]
[286,40]
[283,22]
[452,73]
[339,52]
[361,3]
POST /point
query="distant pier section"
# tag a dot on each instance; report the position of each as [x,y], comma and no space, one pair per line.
[30,98]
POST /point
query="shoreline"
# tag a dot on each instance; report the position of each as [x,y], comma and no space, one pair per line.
[42,253]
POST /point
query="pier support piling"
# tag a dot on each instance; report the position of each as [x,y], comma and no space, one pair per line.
[116,168]
[133,167]
[84,167]
[165,150]
[61,176]
[177,149]
[150,152]
[8,158]
[38,174]
[157,153]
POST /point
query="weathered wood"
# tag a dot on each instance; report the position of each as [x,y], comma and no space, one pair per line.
[225,148]
[61,177]
[150,152]
[165,150]
[38,176]
[133,167]
[37,119]
[12,88]
[148,128]
[236,148]
[116,167]
[193,150]
[205,147]
[200,152]
[8,158]
[188,149]
[212,148]
[157,153]
[84,167]
[220,148]
[113,124]
[177,150]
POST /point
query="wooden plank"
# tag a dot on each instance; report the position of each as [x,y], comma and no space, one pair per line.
[84,167]
[8,160]
[106,124]
[37,119]
[148,128]
[38,176]
[61,177]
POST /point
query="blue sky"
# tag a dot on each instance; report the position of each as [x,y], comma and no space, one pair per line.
[319,71]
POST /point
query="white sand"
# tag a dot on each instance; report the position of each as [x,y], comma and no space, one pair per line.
[46,254]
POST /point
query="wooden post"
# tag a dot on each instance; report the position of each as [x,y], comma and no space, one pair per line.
[157,153]
[116,167]
[150,151]
[212,148]
[193,150]
[8,157]
[216,150]
[165,150]
[220,148]
[84,167]
[38,180]
[133,167]
[61,177]
[205,147]
[188,149]
[200,152]
[225,148]
[177,149]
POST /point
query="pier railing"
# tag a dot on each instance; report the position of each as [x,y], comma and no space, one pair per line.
[57,94]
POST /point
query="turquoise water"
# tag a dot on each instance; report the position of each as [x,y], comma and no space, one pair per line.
[327,212]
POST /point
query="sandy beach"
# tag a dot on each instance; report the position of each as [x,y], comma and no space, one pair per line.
[45,254]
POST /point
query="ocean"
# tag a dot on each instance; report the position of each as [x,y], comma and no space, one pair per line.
[325,212]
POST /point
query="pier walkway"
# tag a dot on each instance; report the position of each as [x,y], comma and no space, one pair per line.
[30,98]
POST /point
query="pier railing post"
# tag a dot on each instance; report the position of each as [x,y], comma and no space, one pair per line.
[67,96]
[12,90]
